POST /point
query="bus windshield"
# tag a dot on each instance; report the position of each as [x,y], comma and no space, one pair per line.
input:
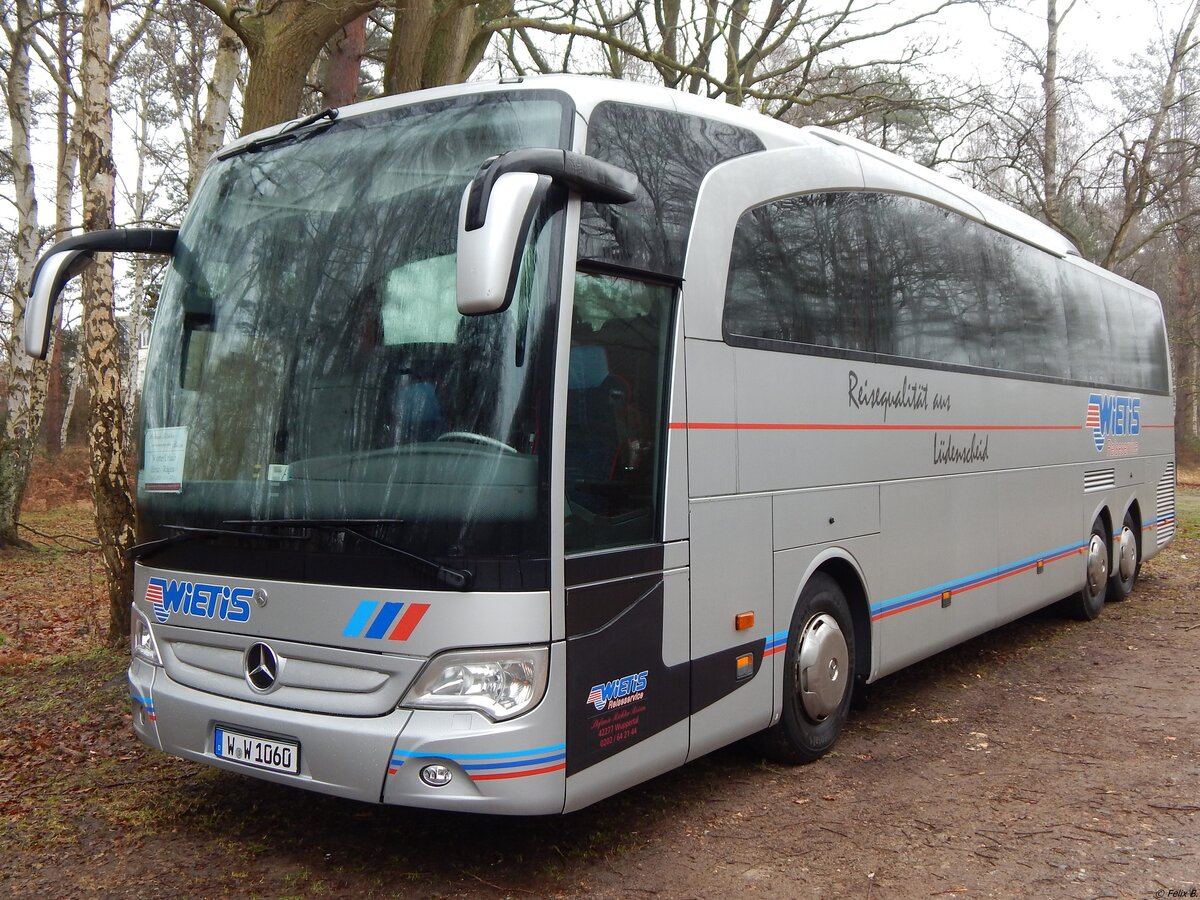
[309,364]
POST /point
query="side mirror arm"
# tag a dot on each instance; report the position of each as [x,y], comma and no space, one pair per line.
[511,186]
[592,178]
[68,258]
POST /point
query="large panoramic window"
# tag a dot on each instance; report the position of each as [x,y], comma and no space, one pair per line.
[876,274]
[309,365]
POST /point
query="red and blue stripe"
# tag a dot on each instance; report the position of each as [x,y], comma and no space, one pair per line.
[775,643]
[917,599]
[374,620]
[492,766]
[147,704]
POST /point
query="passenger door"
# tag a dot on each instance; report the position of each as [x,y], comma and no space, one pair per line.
[627,588]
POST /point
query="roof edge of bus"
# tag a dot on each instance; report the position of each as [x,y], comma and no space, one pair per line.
[586,91]
[995,213]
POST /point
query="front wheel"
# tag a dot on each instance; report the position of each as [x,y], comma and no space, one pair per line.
[1128,562]
[818,678]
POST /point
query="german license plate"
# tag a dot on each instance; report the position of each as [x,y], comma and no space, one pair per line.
[278,756]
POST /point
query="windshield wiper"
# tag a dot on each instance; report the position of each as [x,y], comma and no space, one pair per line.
[458,579]
[194,533]
[287,133]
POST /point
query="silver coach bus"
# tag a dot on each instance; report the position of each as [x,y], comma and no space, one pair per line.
[506,445]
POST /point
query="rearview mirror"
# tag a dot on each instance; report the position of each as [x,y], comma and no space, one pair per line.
[68,258]
[489,256]
[497,209]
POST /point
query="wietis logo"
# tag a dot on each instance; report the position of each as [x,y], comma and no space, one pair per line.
[619,691]
[1112,415]
[192,598]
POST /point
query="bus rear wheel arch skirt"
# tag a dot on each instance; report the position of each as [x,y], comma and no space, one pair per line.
[818,678]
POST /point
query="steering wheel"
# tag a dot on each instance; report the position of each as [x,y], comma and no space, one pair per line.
[471,437]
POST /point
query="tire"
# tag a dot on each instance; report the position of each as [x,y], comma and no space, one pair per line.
[1128,562]
[1086,604]
[818,679]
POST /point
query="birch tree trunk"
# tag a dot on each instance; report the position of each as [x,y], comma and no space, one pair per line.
[64,191]
[211,133]
[72,391]
[102,351]
[1052,202]
[26,391]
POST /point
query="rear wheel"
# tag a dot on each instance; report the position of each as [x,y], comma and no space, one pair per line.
[1086,605]
[818,679]
[1128,562]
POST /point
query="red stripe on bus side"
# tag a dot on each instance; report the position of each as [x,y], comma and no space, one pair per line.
[977,584]
[499,775]
[836,426]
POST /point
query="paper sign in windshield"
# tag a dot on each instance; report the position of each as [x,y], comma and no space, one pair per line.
[164,452]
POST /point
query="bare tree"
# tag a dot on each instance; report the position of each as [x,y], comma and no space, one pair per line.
[108,442]
[1047,148]
[282,39]
[1148,142]
[774,55]
[60,63]
[345,61]
[436,42]
[25,377]
[106,415]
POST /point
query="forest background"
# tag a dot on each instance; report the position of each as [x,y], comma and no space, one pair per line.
[1026,100]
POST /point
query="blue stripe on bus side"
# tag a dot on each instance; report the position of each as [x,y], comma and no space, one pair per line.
[461,757]
[899,604]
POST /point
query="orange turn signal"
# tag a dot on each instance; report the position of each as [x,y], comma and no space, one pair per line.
[742,621]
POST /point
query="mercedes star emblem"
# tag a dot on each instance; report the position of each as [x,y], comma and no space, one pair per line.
[262,668]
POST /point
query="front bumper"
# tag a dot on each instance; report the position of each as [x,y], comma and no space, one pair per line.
[515,767]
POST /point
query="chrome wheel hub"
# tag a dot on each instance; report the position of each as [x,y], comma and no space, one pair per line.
[822,667]
[1127,554]
[1097,564]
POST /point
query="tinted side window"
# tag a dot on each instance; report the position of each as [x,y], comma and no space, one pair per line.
[1152,340]
[670,153]
[939,284]
[616,412]
[1087,326]
[801,273]
[1030,327]
[1122,334]
[884,274]
[874,273]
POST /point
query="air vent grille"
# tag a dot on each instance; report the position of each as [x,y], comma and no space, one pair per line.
[1164,506]
[1099,480]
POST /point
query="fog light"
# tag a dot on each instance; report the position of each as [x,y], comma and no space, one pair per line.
[436,776]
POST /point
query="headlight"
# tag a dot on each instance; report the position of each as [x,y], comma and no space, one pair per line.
[498,683]
[141,639]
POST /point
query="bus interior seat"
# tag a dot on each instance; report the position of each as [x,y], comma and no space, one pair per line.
[597,419]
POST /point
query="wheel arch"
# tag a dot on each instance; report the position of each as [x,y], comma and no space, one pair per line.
[844,569]
[1104,514]
[1135,509]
